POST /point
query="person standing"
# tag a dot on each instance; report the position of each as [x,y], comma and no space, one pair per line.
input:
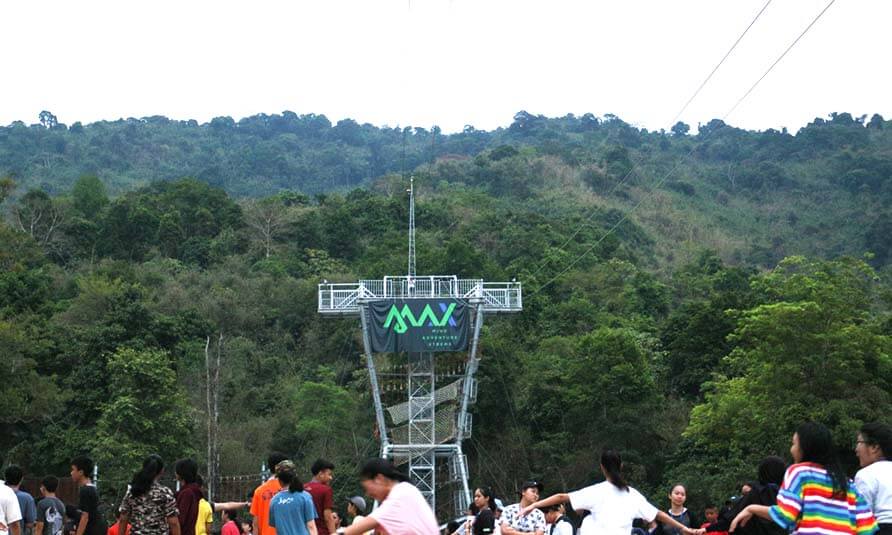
[230,523]
[291,511]
[874,479]
[10,512]
[50,509]
[264,494]
[91,522]
[484,522]
[557,519]
[149,507]
[678,495]
[189,495]
[14,475]
[323,498]
[613,504]
[403,510]
[815,497]
[764,492]
[533,521]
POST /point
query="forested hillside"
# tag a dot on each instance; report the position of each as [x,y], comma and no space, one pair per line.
[688,299]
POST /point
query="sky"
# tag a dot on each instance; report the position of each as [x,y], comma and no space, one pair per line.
[448,63]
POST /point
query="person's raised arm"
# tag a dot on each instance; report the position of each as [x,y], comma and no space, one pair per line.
[554,499]
[748,512]
[229,506]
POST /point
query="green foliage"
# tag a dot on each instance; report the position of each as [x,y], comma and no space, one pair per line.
[145,413]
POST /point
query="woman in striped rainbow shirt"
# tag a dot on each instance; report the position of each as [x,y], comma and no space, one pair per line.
[816,497]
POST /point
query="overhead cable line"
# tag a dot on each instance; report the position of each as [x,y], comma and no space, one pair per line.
[688,155]
[677,115]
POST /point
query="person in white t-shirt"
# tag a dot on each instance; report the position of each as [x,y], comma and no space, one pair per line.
[613,504]
[403,510]
[874,480]
[10,512]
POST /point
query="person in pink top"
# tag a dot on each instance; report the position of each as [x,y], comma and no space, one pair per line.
[230,523]
[403,510]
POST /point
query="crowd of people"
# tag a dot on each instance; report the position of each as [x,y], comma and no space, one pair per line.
[812,496]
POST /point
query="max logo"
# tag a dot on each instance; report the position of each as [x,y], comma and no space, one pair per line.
[402,318]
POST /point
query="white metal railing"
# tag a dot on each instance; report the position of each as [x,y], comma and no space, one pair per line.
[346,298]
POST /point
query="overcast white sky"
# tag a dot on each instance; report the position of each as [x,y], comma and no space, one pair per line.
[443,62]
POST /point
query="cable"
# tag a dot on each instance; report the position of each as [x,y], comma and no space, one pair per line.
[801,35]
[702,85]
[677,115]
[688,155]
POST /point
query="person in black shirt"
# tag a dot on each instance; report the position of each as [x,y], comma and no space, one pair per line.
[485,521]
[763,492]
[91,522]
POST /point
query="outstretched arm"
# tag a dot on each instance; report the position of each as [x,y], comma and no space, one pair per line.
[663,518]
[748,512]
[554,499]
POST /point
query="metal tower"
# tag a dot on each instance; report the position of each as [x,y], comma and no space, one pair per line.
[416,331]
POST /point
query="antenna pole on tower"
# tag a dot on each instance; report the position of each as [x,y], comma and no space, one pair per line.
[411,229]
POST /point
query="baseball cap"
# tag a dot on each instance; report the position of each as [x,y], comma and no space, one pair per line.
[286,466]
[359,502]
[530,484]
[377,465]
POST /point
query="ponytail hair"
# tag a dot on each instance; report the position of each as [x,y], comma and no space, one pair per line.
[142,481]
[487,493]
[612,465]
[290,479]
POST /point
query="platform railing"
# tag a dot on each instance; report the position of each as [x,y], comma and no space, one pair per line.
[346,298]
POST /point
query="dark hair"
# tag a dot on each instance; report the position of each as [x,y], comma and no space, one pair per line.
[13,474]
[275,458]
[877,434]
[84,464]
[291,480]
[613,468]
[376,466]
[710,506]
[816,444]
[771,470]
[142,480]
[50,483]
[320,465]
[187,469]
[231,514]
[487,493]
[685,488]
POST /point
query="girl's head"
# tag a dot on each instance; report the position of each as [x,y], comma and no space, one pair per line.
[152,468]
[677,495]
[813,443]
[771,470]
[483,497]
[286,473]
[612,468]
[874,443]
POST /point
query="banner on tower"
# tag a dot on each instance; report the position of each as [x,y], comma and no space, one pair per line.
[419,325]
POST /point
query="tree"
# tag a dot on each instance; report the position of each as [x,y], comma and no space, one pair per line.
[47,119]
[39,216]
[89,196]
[268,218]
[145,413]
[680,129]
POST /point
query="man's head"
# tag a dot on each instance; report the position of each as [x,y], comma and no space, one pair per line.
[186,470]
[323,471]
[274,459]
[378,476]
[711,513]
[49,485]
[81,468]
[14,475]
[529,492]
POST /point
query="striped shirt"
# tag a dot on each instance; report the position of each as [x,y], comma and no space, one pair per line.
[806,505]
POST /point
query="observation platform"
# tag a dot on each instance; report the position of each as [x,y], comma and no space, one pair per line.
[346,299]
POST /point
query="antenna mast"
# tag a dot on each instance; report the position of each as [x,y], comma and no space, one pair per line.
[411,229]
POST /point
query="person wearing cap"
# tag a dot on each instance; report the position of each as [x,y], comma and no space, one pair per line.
[291,511]
[514,523]
[264,494]
[356,510]
[403,510]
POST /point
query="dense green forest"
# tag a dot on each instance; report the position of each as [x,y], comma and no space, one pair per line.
[688,298]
